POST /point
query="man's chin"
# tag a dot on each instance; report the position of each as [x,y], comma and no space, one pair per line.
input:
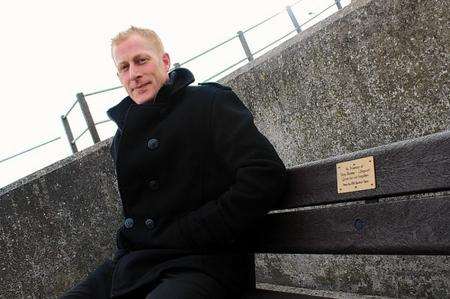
[141,99]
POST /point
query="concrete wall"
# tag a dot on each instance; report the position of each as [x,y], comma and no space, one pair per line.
[57,224]
[373,73]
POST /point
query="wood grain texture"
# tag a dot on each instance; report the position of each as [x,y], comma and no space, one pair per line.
[412,166]
[420,226]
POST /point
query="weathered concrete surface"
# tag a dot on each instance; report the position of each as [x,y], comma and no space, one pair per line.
[391,276]
[374,73]
[57,225]
[319,293]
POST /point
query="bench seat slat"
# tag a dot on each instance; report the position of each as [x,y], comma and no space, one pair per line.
[419,226]
[413,166]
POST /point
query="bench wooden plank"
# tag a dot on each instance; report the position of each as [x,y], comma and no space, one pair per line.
[419,226]
[412,166]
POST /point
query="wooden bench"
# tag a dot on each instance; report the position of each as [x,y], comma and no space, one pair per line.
[391,218]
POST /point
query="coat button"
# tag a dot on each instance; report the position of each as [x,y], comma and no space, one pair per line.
[153,144]
[129,222]
[150,223]
[153,185]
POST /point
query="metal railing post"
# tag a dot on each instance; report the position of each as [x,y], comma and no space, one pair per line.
[88,117]
[69,134]
[293,19]
[244,44]
[338,4]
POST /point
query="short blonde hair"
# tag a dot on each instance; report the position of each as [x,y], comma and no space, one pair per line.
[148,34]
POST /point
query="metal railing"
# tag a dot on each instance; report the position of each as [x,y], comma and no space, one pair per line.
[249,56]
[81,98]
[30,149]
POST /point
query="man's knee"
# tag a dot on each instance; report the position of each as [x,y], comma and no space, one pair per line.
[187,285]
[96,285]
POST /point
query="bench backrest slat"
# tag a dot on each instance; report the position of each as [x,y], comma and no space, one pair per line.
[414,226]
[412,166]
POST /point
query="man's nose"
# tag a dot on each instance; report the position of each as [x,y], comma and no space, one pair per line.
[134,72]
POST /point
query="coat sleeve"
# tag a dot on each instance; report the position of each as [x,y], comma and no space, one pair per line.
[259,177]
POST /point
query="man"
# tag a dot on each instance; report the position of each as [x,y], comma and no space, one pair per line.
[194,177]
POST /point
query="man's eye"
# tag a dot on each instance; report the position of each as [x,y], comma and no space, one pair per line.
[123,68]
[142,60]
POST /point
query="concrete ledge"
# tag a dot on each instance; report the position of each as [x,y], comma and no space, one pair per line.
[58,224]
[309,292]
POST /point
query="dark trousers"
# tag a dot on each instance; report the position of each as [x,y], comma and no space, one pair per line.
[96,285]
[175,284]
[187,285]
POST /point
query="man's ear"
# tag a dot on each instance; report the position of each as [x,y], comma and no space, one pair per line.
[166,61]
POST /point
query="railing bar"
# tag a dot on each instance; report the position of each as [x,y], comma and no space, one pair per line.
[26,151]
[102,122]
[68,130]
[318,14]
[187,61]
[274,42]
[213,48]
[104,90]
[262,22]
[245,46]
[293,18]
[82,133]
[73,105]
[270,44]
[209,50]
[88,117]
[225,70]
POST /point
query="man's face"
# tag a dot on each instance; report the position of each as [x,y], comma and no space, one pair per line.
[140,68]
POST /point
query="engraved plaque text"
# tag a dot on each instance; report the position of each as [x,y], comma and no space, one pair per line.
[356,175]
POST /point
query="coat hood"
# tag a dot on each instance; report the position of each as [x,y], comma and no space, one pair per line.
[178,79]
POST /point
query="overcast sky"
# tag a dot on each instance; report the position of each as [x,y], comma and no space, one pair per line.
[52,50]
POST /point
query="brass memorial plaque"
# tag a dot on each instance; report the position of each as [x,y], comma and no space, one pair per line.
[356,175]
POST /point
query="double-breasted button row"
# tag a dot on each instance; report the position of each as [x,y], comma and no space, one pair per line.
[129,223]
[153,144]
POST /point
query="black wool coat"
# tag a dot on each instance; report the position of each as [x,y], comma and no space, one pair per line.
[194,175]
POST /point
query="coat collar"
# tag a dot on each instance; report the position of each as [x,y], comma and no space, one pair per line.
[178,79]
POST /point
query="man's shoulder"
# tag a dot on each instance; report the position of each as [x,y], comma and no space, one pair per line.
[214,85]
[206,91]
[208,88]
